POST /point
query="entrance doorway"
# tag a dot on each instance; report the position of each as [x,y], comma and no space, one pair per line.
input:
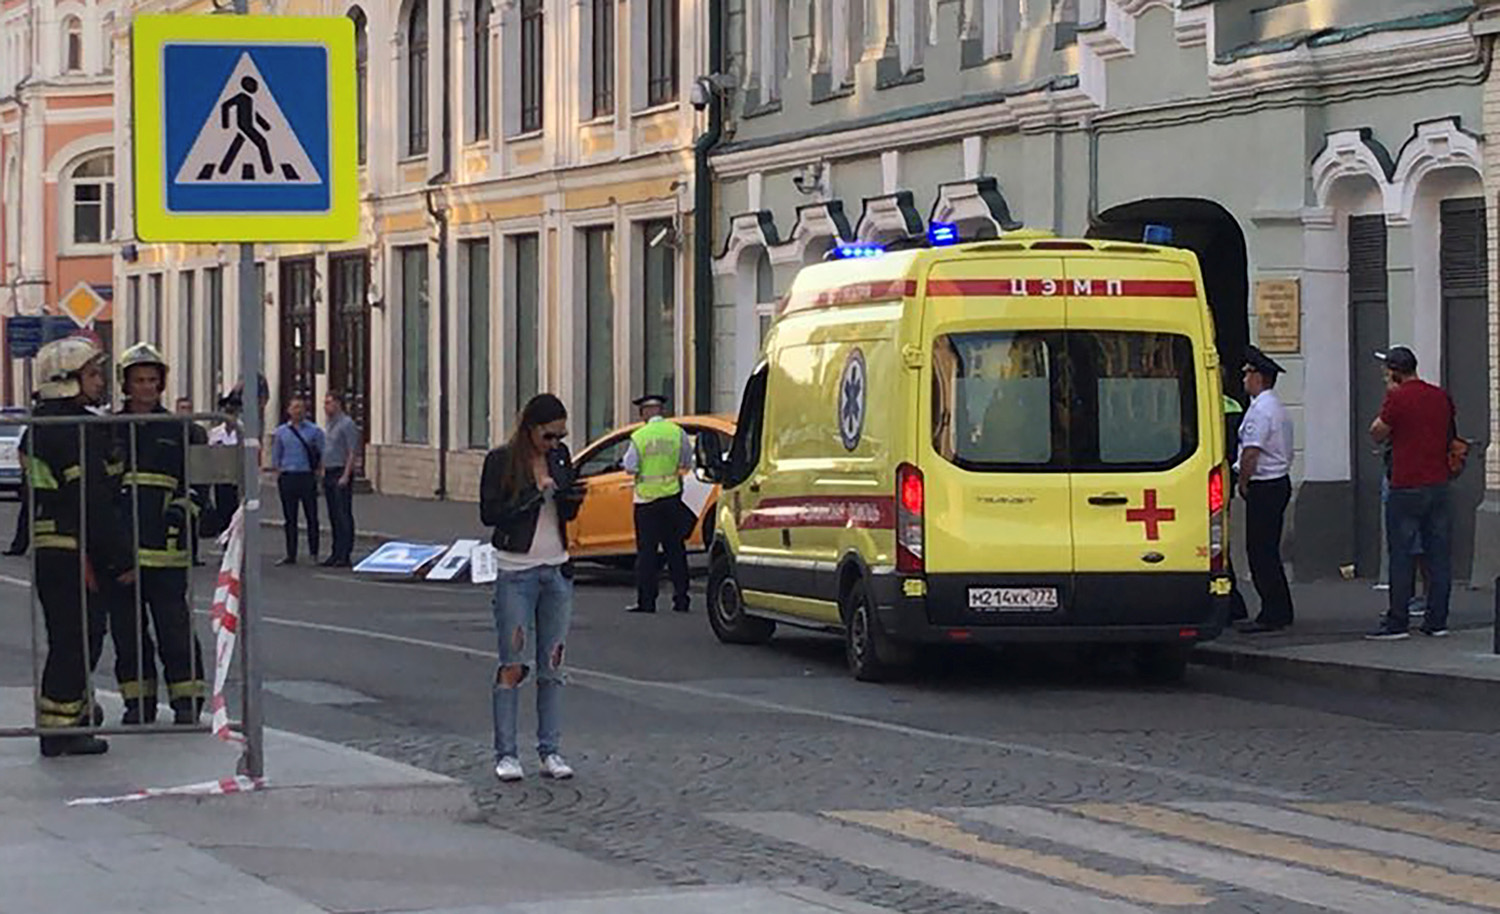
[349,350]
[1210,231]
[1369,333]
[1464,268]
[298,332]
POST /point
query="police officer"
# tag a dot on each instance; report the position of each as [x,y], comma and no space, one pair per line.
[1264,467]
[155,493]
[658,455]
[73,487]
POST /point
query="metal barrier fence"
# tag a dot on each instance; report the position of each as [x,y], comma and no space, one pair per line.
[146,486]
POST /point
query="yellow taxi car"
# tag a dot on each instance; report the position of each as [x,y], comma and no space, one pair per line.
[1018,440]
[605,527]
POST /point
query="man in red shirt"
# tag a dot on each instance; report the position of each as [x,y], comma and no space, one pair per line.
[1418,421]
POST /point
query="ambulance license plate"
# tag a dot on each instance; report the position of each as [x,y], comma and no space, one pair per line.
[1012,599]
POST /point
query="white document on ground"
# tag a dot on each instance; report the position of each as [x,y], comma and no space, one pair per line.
[484,564]
[695,493]
[454,561]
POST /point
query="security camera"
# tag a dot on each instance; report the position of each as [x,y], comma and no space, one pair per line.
[701,93]
[809,179]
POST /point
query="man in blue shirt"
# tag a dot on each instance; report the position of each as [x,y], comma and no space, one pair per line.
[296,455]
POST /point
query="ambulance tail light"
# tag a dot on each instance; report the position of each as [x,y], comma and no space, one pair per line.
[911,497]
[1218,520]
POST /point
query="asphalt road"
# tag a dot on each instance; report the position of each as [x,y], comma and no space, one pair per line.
[992,781]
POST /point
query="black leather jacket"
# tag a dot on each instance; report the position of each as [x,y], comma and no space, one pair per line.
[515,517]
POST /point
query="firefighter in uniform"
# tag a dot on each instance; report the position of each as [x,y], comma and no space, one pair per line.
[658,455]
[156,494]
[73,488]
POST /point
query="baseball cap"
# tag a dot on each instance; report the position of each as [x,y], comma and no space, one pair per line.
[1398,358]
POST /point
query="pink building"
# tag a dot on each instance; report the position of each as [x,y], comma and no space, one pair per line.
[57,162]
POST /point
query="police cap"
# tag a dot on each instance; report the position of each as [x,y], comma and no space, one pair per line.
[649,400]
[1259,362]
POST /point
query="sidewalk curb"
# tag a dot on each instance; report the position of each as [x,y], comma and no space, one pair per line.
[1380,680]
[451,801]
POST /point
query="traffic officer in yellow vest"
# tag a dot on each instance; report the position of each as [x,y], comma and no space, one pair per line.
[73,486]
[659,453]
[155,493]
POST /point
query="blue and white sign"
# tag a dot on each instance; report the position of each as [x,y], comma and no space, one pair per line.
[399,558]
[23,334]
[246,128]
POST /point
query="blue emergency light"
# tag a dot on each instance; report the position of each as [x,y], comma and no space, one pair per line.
[1159,234]
[858,251]
[942,234]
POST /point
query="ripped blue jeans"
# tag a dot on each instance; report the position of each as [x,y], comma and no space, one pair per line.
[532,611]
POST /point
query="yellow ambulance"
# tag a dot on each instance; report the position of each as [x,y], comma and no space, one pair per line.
[1018,440]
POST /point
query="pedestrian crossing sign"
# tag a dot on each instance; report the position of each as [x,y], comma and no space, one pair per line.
[244,128]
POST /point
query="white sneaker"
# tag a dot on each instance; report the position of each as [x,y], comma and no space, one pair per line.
[553,766]
[509,769]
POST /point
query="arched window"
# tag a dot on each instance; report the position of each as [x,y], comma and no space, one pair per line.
[361,78]
[482,12]
[416,78]
[90,201]
[107,44]
[72,45]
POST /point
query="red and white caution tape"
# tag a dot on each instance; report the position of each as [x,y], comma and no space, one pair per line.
[237,784]
[226,623]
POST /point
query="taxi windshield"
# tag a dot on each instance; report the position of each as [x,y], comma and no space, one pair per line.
[1079,401]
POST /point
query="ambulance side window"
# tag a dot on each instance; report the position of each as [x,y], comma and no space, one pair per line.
[744,453]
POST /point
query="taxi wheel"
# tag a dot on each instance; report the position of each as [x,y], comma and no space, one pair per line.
[726,609]
[1162,664]
[872,656]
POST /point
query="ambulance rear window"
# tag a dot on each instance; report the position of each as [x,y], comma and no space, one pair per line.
[1079,401]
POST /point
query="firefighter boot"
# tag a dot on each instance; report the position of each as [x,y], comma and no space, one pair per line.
[55,746]
[139,711]
[186,711]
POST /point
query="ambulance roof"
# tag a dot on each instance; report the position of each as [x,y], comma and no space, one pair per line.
[893,276]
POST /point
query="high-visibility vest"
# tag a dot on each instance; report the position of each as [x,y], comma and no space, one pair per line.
[659,445]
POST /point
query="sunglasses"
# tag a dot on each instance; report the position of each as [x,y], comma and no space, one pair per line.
[554,436]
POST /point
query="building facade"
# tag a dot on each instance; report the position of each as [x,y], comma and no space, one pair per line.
[526,173]
[58,195]
[1325,158]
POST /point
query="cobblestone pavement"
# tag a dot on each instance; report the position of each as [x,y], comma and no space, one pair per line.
[1023,781]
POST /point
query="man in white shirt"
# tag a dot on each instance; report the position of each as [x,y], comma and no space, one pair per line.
[1265,464]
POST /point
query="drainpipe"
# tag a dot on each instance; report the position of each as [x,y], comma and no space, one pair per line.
[440,215]
[1091,129]
[703,218]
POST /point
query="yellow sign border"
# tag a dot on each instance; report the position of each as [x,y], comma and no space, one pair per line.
[99,303]
[153,221]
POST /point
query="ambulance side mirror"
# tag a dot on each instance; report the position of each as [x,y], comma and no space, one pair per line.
[710,458]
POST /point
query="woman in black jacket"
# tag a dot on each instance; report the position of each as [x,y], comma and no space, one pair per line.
[528,493]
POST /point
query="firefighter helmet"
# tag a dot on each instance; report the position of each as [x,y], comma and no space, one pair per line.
[60,362]
[141,354]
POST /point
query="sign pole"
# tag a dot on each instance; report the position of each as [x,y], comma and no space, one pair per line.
[253,419]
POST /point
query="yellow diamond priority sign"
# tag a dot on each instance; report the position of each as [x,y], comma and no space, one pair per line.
[82,304]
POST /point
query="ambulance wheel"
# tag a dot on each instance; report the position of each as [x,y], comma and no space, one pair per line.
[1162,664]
[726,608]
[872,656]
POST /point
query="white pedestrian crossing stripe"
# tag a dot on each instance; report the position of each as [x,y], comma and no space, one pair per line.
[1351,857]
[246,138]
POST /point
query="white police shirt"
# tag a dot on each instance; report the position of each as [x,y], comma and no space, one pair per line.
[1267,426]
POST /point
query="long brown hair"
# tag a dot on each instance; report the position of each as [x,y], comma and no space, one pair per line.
[542,409]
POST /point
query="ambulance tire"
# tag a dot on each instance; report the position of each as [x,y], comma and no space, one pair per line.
[726,609]
[872,656]
[1162,664]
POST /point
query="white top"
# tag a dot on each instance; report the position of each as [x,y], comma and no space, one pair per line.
[632,459]
[547,546]
[1267,426]
[223,435]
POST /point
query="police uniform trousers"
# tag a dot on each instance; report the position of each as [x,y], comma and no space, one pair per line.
[75,637]
[659,530]
[164,608]
[1265,513]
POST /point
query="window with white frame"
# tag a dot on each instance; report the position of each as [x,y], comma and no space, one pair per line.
[525,294]
[599,329]
[416,78]
[415,389]
[776,46]
[475,262]
[850,39]
[662,51]
[602,58]
[907,28]
[480,77]
[72,46]
[990,26]
[659,299]
[107,43]
[90,201]
[533,53]
[361,80]
[765,293]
